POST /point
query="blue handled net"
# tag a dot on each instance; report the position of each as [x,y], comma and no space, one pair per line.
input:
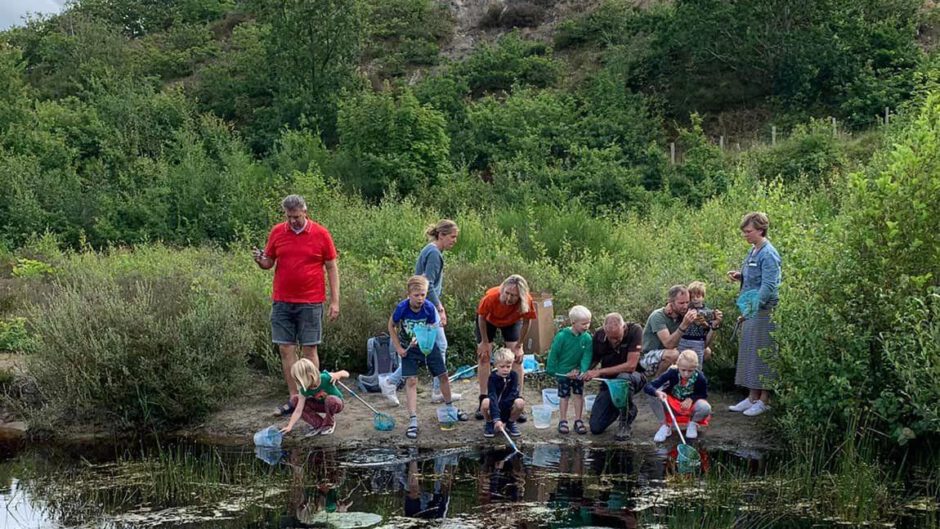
[619,392]
[749,303]
[383,422]
[688,459]
[426,336]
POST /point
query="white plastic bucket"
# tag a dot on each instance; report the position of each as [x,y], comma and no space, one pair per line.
[542,416]
[589,402]
[550,397]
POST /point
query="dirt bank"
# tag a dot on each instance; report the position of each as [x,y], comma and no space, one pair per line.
[252,412]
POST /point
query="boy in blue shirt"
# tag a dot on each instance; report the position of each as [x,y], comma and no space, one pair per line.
[409,312]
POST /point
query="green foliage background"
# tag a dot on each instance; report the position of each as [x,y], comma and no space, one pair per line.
[144,147]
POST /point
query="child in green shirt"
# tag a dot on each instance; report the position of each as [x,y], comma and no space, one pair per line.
[568,359]
[317,395]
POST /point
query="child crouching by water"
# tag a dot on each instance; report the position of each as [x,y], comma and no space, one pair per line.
[687,390]
[317,395]
[503,404]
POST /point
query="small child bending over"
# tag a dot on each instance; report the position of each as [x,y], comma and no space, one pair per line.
[317,395]
[568,359]
[687,390]
[411,311]
[503,404]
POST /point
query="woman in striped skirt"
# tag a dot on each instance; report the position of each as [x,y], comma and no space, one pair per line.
[760,271]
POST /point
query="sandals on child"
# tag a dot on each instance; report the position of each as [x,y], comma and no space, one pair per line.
[579,427]
[563,427]
[412,431]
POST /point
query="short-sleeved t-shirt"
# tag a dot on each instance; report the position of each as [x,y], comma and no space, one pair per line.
[405,318]
[657,321]
[502,315]
[610,356]
[299,260]
[324,390]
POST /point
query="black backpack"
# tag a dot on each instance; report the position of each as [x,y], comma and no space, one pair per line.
[381,359]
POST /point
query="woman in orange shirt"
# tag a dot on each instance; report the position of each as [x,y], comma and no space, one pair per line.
[508,309]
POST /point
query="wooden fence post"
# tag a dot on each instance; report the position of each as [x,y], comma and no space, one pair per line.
[773,135]
[672,152]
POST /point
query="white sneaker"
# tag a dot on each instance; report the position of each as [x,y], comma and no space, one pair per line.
[756,409]
[661,434]
[438,397]
[691,431]
[743,405]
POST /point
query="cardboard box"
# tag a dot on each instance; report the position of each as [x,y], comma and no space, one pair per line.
[542,328]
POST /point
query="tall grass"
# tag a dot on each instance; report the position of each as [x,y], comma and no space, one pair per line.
[159,335]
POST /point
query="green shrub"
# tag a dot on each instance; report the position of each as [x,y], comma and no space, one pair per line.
[26,268]
[147,339]
[14,337]
[512,60]
[811,152]
[386,139]
[855,318]
[406,33]
[702,174]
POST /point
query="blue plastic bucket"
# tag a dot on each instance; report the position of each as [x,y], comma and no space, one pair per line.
[270,436]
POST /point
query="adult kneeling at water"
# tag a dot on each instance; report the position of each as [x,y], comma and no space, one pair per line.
[760,271]
[508,309]
[617,347]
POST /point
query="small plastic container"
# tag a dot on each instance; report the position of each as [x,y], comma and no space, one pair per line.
[529,364]
[542,416]
[550,397]
[447,417]
[589,402]
[270,437]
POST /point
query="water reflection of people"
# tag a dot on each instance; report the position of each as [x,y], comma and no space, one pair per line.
[316,485]
[430,505]
[501,478]
[570,491]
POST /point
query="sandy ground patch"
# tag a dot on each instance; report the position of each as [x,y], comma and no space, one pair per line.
[253,411]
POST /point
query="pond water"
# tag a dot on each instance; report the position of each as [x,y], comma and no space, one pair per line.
[548,486]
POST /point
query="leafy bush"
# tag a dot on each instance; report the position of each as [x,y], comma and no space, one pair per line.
[405,34]
[855,317]
[811,152]
[14,337]
[390,140]
[512,60]
[701,174]
[146,339]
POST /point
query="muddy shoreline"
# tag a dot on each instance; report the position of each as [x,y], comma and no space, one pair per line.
[236,424]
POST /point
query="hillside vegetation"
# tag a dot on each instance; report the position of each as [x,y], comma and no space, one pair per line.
[145,145]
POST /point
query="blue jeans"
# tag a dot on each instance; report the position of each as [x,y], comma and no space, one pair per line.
[441,343]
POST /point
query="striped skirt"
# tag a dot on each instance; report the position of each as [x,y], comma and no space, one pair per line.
[756,342]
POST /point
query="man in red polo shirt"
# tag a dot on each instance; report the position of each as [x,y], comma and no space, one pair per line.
[301,249]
